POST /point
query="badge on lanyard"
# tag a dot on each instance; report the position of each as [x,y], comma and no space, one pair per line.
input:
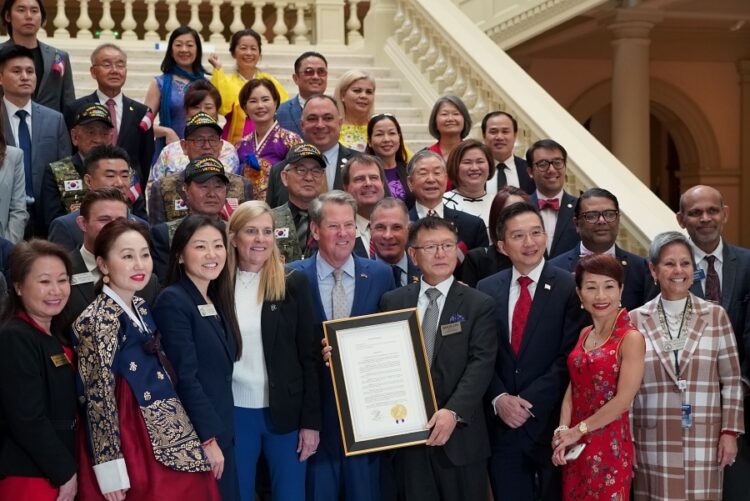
[687,415]
[674,344]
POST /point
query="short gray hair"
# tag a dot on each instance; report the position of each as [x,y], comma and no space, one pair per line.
[107,45]
[421,155]
[330,197]
[391,203]
[665,239]
[455,101]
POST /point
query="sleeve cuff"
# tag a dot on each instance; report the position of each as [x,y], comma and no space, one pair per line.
[494,407]
[112,476]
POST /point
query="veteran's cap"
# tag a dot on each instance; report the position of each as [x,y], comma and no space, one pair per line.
[204,168]
[93,112]
[304,150]
[199,120]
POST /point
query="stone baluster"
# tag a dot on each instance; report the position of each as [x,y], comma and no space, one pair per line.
[420,48]
[459,85]
[216,26]
[128,21]
[405,28]
[398,17]
[61,21]
[480,107]
[438,67]
[84,21]
[427,59]
[106,24]
[237,23]
[300,29]
[151,24]
[172,22]
[280,29]
[195,21]
[469,96]
[258,24]
[353,24]
[446,79]
[412,38]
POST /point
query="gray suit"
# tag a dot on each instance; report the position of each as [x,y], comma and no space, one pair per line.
[55,91]
[13,215]
[50,142]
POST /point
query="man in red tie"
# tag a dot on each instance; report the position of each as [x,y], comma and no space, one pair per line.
[547,165]
[538,318]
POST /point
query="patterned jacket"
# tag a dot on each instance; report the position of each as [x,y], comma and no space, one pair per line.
[69,183]
[675,462]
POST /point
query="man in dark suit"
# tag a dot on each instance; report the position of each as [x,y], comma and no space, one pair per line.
[459,335]
[321,127]
[24,119]
[538,319]
[109,67]
[364,179]
[6,247]
[499,130]
[105,166]
[722,275]
[389,227]
[427,177]
[54,85]
[99,207]
[343,285]
[597,220]
[311,77]
[546,164]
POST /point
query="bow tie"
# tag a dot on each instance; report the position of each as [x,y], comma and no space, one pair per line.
[552,203]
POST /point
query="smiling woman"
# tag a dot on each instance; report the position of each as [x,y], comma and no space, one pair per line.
[355,95]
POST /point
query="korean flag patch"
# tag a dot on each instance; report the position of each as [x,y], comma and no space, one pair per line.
[73,185]
[282,232]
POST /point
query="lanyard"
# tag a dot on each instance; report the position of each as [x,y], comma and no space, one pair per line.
[686,312]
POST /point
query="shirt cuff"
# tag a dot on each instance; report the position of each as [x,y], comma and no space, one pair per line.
[494,408]
[112,476]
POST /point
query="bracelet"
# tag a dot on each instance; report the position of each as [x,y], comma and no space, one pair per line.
[728,432]
[209,442]
[560,428]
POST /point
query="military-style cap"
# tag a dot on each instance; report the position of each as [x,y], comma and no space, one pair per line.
[304,150]
[204,168]
[198,120]
[93,112]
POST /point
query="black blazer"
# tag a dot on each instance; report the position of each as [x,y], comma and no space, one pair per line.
[277,194]
[462,364]
[481,263]
[525,181]
[37,406]
[6,247]
[471,229]
[566,236]
[638,288]
[540,372]
[138,143]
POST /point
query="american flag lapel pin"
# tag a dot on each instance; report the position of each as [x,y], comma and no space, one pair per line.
[547,287]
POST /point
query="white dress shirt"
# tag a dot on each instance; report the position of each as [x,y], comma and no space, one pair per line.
[363,231]
[11,110]
[424,301]
[700,262]
[609,252]
[549,217]
[515,290]
[103,98]
[89,260]
[332,159]
[422,210]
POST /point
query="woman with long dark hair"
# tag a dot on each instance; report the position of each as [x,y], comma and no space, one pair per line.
[385,141]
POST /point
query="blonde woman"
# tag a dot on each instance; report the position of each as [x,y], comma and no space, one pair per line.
[355,95]
[275,383]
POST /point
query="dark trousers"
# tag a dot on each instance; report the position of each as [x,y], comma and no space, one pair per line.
[737,476]
[425,473]
[518,475]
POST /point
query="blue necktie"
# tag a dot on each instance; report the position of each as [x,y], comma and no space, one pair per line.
[24,142]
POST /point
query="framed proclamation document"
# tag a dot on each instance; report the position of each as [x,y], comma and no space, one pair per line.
[381,380]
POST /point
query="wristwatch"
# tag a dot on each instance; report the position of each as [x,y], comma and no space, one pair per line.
[583,428]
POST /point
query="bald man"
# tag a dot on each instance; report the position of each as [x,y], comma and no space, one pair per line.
[722,274]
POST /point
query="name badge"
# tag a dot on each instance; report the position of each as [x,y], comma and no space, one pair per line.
[674,344]
[450,329]
[82,278]
[207,310]
[682,384]
[687,415]
[699,274]
[59,360]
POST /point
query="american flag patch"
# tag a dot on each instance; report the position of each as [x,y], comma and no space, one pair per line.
[73,185]
[282,232]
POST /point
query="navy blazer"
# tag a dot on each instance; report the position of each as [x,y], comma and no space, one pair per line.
[6,246]
[471,229]
[638,286]
[539,373]
[65,231]
[289,115]
[525,181]
[462,364]
[566,236]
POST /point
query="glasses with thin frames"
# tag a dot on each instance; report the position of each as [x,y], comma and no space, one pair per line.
[315,172]
[432,248]
[202,141]
[107,65]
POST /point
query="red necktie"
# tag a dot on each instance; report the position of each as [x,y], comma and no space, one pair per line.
[552,203]
[113,117]
[713,285]
[371,250]
[520,314]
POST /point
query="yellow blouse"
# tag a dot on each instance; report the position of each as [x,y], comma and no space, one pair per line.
[354,136]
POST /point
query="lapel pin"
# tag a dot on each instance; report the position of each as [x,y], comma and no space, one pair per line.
[624,263]
[363,275]
[273,307]
[547,287]
[570,206]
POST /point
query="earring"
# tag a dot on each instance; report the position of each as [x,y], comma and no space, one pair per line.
[581,305]
[105,279]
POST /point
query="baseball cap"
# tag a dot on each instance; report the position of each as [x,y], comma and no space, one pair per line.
[304,150]
[198,120]
[93,112]
[204,168]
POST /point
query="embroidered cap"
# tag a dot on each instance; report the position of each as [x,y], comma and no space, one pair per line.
[204,168]
[199,120]
[304,150]
[93,112]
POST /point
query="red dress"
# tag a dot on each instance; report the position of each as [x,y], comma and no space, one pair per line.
[604,469]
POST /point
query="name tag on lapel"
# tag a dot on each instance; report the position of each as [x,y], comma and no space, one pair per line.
[450,329]
[59,360]
[207,310]
[82,278]
[699,274]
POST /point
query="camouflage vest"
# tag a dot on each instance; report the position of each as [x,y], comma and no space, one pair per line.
[172,228]
[286,234]
[173,195]
[69,183]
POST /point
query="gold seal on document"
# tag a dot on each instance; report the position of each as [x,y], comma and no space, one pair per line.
[398,412]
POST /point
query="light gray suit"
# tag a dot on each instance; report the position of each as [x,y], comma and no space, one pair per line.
[13,215]
[55,91]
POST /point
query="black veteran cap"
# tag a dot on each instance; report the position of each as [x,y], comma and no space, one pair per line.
[198,120]
[93,112]
[204,168]
[304,150]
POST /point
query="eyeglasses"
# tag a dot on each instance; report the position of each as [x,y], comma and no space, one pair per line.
[120,65]
[309,72]
[520,236]
[609,215]
[432,248]
[315,172]
[543,165]
[202,141]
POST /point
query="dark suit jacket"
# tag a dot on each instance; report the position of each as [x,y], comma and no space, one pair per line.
[462,364]
[138,143]
[637,289]
[525,181]
[55,91]
[471,229]
[539,373]
[289,115]
[37,406]
[565,237]
[6,246]
[64,230]
[481,263]
[277,194]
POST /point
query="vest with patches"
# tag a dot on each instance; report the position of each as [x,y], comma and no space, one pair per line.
[175,206]
[69,183]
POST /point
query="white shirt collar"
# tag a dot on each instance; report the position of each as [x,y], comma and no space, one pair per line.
[131,310]
[559,196]
[533,274]
[103,98]
[443,286]
[325,269]
[89,260]
[608,252]
[362,224]
[12,108]
[700,255]
[422,210]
